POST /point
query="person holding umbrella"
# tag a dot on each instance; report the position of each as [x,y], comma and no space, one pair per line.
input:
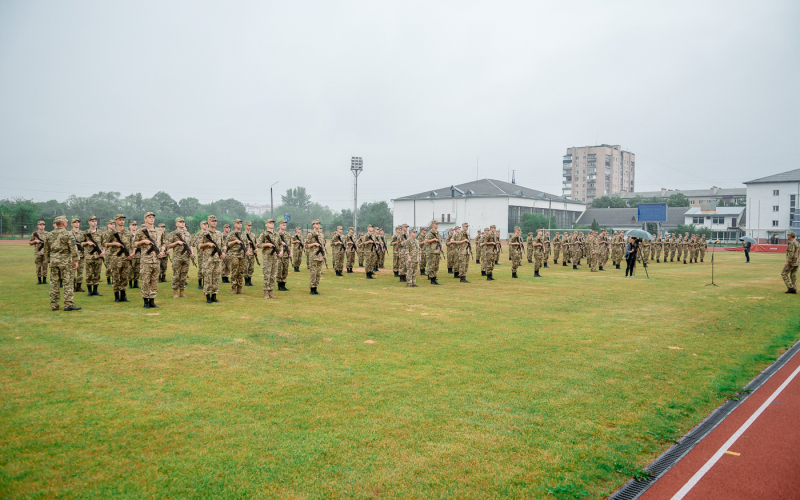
[630,256]
[746,242]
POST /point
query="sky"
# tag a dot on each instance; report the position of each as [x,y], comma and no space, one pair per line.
[219,100]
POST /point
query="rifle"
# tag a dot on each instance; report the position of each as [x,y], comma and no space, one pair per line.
[216,249]
[285,244]
[80,247]
[252,246]
[153,245]
[355,247]
[186,248]
[95,248]
[38,242]
[122,248]
[321,250]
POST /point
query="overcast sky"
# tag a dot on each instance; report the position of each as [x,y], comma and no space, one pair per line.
[221,99]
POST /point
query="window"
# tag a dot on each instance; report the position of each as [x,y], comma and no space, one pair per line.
[697,220]
[776,192]
[445,217]
[792,209]
[775,208]
[733,221]
[718,220]
[774,223]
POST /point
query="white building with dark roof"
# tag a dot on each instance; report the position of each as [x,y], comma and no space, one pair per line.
[725,222]
[771,206]
[482,203]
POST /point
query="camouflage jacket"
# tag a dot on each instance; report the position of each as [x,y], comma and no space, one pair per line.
[792,252]
[115,252]
[179,251]
[78,237]
[270,237]
[412,249]
[237,249]
[433,246]
[38,249]
[60,249]
[283,239]
[157,234]
[316,253]
[515,238]
[99,239]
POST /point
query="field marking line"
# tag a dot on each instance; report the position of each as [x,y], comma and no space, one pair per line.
[724,448]
[733,453]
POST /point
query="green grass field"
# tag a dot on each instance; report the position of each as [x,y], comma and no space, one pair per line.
[560,387]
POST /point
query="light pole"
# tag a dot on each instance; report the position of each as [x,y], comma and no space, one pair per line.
[356,166]
[271,204]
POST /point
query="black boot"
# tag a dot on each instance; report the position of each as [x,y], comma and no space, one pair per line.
[619,267]
[116,296]
[658,261]
[489,277]
[564,263]
[284,287]
[434,282]
[95,292]
[684,261]
[130,283]
[449,270]
[402,278]
[39,278]
[214,297]
[199,284]
[123,296]
[108,280]
[514,275]
[44,280]
[60,283]
[369,276]
[297,269]
[225,279]
[574,266]
[536,274]
[208,298]
[396,274]
[72,308]
[152,303]
[601,268]
[546,266]
[477,261]
[464,279]
[422,271]
[483,273]
[455,274]
[349,270]
[89,291]
[146,303]
[313,291]
[375,270]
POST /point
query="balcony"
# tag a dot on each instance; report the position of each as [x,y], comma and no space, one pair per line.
[567,185]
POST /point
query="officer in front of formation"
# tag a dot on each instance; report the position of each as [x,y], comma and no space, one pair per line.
[61,257]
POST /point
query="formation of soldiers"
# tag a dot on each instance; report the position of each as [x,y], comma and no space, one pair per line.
[137,257]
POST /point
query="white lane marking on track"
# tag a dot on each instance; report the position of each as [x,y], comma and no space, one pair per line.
[714,459]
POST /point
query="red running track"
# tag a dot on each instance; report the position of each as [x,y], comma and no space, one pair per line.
[763,462]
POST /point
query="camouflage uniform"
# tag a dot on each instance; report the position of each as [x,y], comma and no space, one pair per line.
[234,255]
[412,252]
[285,262]
[350,250]
[401,254]
[337,248]
[162,277]
[434,253]
[529,242]
[360,250]
[196,242]
[226,262]
[395,252]
[478,251]
[109,230]
[451,254]
[538,253]
[77,236]
[151,264]
[703,247]
[515,251]
[789,273]
[316,258]
[423,258]
[269,260]
[135,264]
[212,261]
[464,250]
[546,251]
[645,253]
[575,250]
[679,248]
[249,260]
[657,249]
[297,250]
[117,258]
[180,259]
[38,253]
[556,247]
[94,262]
[60,253]
[488,257]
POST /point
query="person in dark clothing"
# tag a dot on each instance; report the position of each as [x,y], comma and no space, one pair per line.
[631,250]
[747,251]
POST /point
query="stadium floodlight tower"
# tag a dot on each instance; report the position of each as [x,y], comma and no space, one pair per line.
[356,166]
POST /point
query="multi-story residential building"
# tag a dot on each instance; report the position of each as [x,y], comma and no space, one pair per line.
[722,196]
[594,171]
[771,206]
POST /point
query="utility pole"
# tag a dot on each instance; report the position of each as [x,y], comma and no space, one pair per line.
[356,166]
[271,204]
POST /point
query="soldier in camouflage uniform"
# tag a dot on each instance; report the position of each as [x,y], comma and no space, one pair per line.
[448,243]
[657,249]
[37,238]
[381,253]
[360,249]
[249,255]
[515,246]
[433,242]
[350,249]
[315,243]
[270,247]
[285,257]
[234,256]
[423,258]
[464,249]
[575,249]
[196,241]
[538,253]
[401,257]
[556,247]
[703,247]
[297,248]
[135,264]
[395,252]
[644,251]
[94,246]
[61,256]
[456,250]
[529,242]
[226,266]
[679,248]
[478,248]
[119,244]
[77,236]
[212,247]
[337,248]
[592,251]
[413,257]
[489,245]
[789,273]
[162,277]
[107,233]
[178,240]
[369,252]
[152,254]
[546,249]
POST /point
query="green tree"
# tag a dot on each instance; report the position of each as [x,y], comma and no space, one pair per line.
[608,202]
[296,198]
[677,200]
[188,206]
[692,229]
[595,225]
[377,214]
[531,222]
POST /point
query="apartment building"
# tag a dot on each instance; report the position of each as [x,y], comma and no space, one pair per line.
[594,171]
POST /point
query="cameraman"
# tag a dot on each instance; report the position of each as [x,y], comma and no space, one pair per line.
[631,250]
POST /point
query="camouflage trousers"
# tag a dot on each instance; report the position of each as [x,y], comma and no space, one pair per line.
[212,272]
[149,274]
[351,259]
[556,251]
[789,276]
[360,258]
[284,263]
[236,270]
[249,265]
[592,259]
[226,267]
[41,268]
[369,260]
[381,258]
[603,256]
[308,260]
[702,254]
[423,259]
[463,263]
[297,259]
[136,268]
[269,266]
[78,273]
[412,269]
[530,253]
[679,253]
[93,269]
[482,252]
[576,255]
[616,255]
[180,271]
[433,265]
[59,274]
[315,266]
[645,255]
[451,258]
[538,260]
[163,266]
[516,258]
[490,257]
[658,253]
[402,263]
[395,260]
[119,272]
[338,260]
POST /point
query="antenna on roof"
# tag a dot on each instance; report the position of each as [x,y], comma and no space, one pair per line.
[513,177]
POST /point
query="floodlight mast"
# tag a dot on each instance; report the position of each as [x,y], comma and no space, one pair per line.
[356,166]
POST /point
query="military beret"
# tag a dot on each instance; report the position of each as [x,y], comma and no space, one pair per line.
[148,214]
[315,221]
[791,233]
[248,223]
[269,220]
[212,217]
[75,219]
[179,219]
[40,222]
[339,227]
[93,217]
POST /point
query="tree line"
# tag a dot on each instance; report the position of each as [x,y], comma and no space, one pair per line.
[19,215]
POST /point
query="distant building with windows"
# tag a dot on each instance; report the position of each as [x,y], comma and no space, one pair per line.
[256,209]
[722,196]
[725,222]
[482,203]
[594,171]
[771,206]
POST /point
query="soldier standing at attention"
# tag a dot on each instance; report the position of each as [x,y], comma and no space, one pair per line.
[94,244]
[234,255]
[37,239]
[212,248]
[657,248]
[789,273]
[150,240]
[350,249]
[478,250]
[77,236]
[703,247]
[433,242]
[162,278]
[107,233]
[546,248]
[564,249]
[498,249]
[593,251]
[463,248]
[538,253]
[395,252]
[515,250]
[136,262]
[556,247]
[226,270]
[401,257]
[61,256]
[297,248]
[337,248]
[423,258]
[196,241]
[315,243]
[456,250]
[529,242]
[412,252]
[249,255]
[369,252]
[380,254]
[679,247]
[178,240]
[284,256]
[644,248]
[360,249]
[449,246]
[270,246]
[489,244]
[575,248]
[120,252]
[673,246]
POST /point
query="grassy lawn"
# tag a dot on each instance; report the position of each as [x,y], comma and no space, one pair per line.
[560,387]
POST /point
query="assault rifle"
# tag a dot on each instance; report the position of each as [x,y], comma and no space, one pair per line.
[355,246]
[38,242]
[95,248]
[216,249]
[252,246]
[286,246]
[186,248]
[321,250]
[122,249]
[153,246]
